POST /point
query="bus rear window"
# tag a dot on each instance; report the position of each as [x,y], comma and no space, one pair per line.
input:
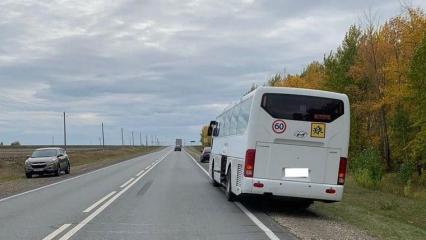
[302,108]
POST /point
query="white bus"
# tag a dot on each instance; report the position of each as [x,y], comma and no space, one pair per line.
[287,142]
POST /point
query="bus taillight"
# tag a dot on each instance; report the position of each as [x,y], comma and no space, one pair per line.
[342,171]
[249,162]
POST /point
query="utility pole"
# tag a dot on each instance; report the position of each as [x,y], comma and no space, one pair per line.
[133,139]
[122,137]
[65,134]
[103,136]
[140,138]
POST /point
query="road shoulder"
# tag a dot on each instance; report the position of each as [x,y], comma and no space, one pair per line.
[305,224]
[20,185]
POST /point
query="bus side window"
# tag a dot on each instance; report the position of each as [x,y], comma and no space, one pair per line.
[233,126]
[226,124]
[219,125]
[243,117]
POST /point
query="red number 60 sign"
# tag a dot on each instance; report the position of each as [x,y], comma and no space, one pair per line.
[279,126]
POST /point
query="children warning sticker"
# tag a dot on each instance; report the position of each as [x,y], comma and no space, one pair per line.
[318,130]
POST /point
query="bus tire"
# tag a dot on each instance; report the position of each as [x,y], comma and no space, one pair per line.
[214,183]
[304,204]
[228,188]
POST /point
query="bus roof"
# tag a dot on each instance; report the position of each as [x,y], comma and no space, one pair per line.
[289,90]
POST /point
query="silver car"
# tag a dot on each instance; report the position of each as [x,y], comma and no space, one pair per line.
[47,160]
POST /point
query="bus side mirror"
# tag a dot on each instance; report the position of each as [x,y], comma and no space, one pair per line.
[212,126]
[216,132]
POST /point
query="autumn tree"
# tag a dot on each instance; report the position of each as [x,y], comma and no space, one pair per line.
[204,139]
[380,68]
[417,81]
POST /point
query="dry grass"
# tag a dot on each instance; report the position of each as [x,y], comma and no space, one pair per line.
[12,161]
[383,215]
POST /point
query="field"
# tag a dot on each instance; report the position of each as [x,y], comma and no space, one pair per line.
[81,158]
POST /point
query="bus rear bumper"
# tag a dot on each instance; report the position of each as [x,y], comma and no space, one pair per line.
[314,191]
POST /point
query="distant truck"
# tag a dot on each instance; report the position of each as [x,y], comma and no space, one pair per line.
[178,145]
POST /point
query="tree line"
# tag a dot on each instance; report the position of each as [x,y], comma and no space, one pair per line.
[382,68]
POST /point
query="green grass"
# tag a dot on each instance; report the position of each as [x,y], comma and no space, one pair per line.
[383,215]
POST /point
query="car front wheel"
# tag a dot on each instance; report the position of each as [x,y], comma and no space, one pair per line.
[58,170]
[68,169]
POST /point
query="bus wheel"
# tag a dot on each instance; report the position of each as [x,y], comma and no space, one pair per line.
[304,204]
[214,183]
[228,189]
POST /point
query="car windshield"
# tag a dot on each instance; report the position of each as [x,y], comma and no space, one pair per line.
[44,153]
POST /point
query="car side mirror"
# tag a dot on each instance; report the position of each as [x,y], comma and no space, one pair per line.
[28,156]
[60,155]
[209,131]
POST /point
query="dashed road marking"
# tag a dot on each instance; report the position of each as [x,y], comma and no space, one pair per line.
[57,232]
[89,218]
[99,202]
[139,173]
[126,183]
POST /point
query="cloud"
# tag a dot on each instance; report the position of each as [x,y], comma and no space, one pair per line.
[159,67]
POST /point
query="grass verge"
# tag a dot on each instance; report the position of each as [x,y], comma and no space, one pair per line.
[382,215]
[79,159]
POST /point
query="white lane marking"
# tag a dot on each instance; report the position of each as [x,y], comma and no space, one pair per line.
[147,168]
[126,183]
[99,202]
[85,221]
[69,179]
[139,173]
[271,235]
[195,161]
[256,221]
[57,232]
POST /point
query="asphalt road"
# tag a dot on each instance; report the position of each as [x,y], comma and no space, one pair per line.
[162,195]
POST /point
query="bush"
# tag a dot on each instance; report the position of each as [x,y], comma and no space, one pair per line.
[367,169]
[406,171]
[408,189]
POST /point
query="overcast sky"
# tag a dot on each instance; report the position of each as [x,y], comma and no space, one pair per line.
[164,68]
